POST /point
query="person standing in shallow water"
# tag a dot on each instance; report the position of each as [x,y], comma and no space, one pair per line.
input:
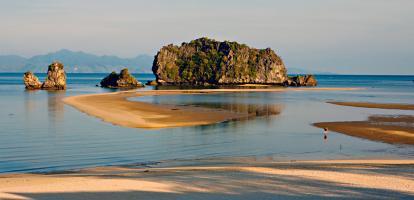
[325,134]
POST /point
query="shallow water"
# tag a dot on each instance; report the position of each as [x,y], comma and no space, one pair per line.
[39,133]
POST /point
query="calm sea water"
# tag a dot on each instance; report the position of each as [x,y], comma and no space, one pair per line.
[39,133]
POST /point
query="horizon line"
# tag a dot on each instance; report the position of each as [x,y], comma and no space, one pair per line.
[327,74]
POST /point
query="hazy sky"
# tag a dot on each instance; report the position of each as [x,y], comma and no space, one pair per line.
[343,36]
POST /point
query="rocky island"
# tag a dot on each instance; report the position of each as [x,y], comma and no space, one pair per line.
[122,80]
[209,62]
[299,80]
[31,81]
[55,80]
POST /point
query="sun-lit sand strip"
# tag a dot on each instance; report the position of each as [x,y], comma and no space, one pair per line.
[389,129]
[115,108]
[366,179]
[376,105]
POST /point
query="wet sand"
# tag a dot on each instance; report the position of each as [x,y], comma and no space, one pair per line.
[375,105]
[388,129]
[115,108]
[392,129]
[244,179]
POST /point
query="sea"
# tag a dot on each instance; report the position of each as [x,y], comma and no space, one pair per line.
[39,133]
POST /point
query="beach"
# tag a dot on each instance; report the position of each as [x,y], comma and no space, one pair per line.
[221,179]
[115,108]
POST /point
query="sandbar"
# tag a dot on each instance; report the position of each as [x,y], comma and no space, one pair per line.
[115,108]
[394,129]
[375,105]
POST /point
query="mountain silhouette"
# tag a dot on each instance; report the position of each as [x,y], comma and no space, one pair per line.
[76,62]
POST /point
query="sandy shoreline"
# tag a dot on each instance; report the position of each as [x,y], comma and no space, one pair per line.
[375,105]
[116,109]
[244,179]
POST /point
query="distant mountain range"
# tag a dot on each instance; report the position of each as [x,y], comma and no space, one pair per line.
[82,62]
[76,62]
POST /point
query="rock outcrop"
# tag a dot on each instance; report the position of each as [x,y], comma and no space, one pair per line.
[206,61]
[56,77]
[299,81]
[31,81]
[55,80]
[122,80]
[151,83]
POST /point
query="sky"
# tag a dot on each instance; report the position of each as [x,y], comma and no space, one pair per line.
[340,36]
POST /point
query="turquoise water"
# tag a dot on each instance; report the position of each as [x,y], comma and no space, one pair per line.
[39,133]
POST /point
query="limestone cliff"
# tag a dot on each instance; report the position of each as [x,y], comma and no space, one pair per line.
[31,81]
[56,77]
[55,80]
[302,80]
[206,61]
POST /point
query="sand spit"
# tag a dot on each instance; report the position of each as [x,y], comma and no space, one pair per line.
[384,128]
[115,108]
[375,105]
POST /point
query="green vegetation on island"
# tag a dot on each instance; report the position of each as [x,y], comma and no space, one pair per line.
[206,61]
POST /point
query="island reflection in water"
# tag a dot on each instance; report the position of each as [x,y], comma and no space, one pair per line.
[30,101]
[248,110]
[54,104]
[265,112]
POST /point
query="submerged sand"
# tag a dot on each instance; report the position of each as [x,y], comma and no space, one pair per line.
[375,105]
[115,108]
[246,179]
